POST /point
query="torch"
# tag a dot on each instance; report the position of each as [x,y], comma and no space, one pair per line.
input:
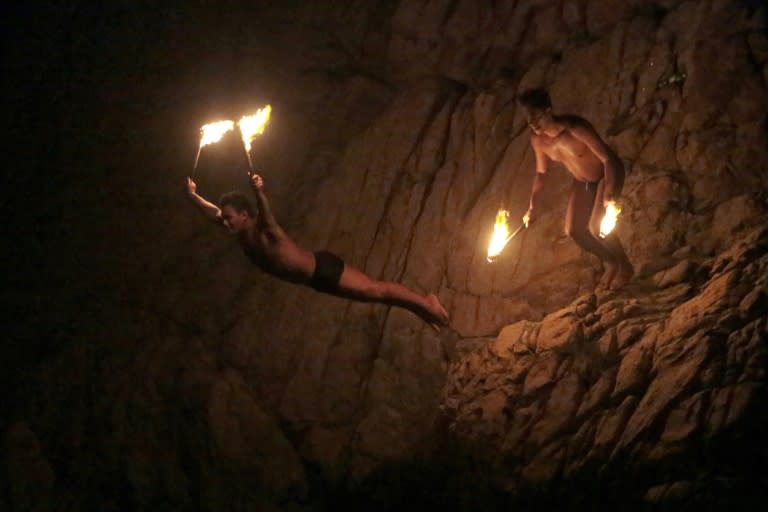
[251,126]
[612,211]
[209,134]
[501,235]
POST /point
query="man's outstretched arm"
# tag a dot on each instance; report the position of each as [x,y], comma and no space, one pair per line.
[210,210]
[266,217]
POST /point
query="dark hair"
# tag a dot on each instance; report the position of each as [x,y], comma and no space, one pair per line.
[535,98]
[238,201]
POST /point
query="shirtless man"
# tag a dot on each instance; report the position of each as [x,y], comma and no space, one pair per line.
[270,248]
[598,177]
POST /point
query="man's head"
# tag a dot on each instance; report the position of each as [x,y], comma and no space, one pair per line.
[236,210]
[538,109]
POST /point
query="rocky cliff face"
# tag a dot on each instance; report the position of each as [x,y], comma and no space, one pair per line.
[659,385]
[202,383]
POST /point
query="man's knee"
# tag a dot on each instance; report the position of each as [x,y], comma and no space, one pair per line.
[577,233]
[376,290]
[585,239]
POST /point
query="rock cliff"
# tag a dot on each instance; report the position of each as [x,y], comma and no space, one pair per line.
[194,381]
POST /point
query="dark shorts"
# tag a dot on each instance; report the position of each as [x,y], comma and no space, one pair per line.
[328,270]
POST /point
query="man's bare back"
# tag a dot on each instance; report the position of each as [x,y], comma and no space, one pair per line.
[278,256]
[265,242]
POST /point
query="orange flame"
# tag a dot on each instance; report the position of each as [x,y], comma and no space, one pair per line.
[213,132]
[612,211]
[500,235]
[253,125]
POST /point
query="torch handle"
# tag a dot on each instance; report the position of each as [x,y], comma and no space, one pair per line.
[250,162]
[197,158]
[515,232]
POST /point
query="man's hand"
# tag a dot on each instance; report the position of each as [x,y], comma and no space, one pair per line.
[528,217]
[257,182]
[191,186]
[266,217]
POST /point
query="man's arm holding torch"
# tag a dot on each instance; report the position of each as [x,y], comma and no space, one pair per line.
[538,183]
[209,209]
[266,217]
[612,167]
[613,174]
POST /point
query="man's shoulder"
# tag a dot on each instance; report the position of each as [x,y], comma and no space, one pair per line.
[572,121]
[539,141]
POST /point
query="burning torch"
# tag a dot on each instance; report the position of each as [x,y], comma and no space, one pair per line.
[251,126]
[209,134]
[612,211]
[501,235]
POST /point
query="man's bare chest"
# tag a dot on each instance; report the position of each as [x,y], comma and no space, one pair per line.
[565,148]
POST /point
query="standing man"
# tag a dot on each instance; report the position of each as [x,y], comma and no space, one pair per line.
[272,250]
[598,177]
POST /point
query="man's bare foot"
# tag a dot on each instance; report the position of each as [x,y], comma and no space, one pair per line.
[436,314]
[623,275]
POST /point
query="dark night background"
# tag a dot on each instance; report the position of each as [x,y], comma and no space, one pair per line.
[101,105]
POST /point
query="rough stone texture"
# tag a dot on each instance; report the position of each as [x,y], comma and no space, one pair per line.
[193,381]
[670,393]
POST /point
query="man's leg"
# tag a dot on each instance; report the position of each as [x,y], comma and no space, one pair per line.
[577,218]
[356,285]
[623,270]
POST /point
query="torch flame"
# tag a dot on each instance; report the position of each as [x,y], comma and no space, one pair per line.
[612,211]
[213,132]
[253,125]
[500,235]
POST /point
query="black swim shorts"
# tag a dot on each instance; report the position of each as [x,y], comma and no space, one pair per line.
[328,269]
